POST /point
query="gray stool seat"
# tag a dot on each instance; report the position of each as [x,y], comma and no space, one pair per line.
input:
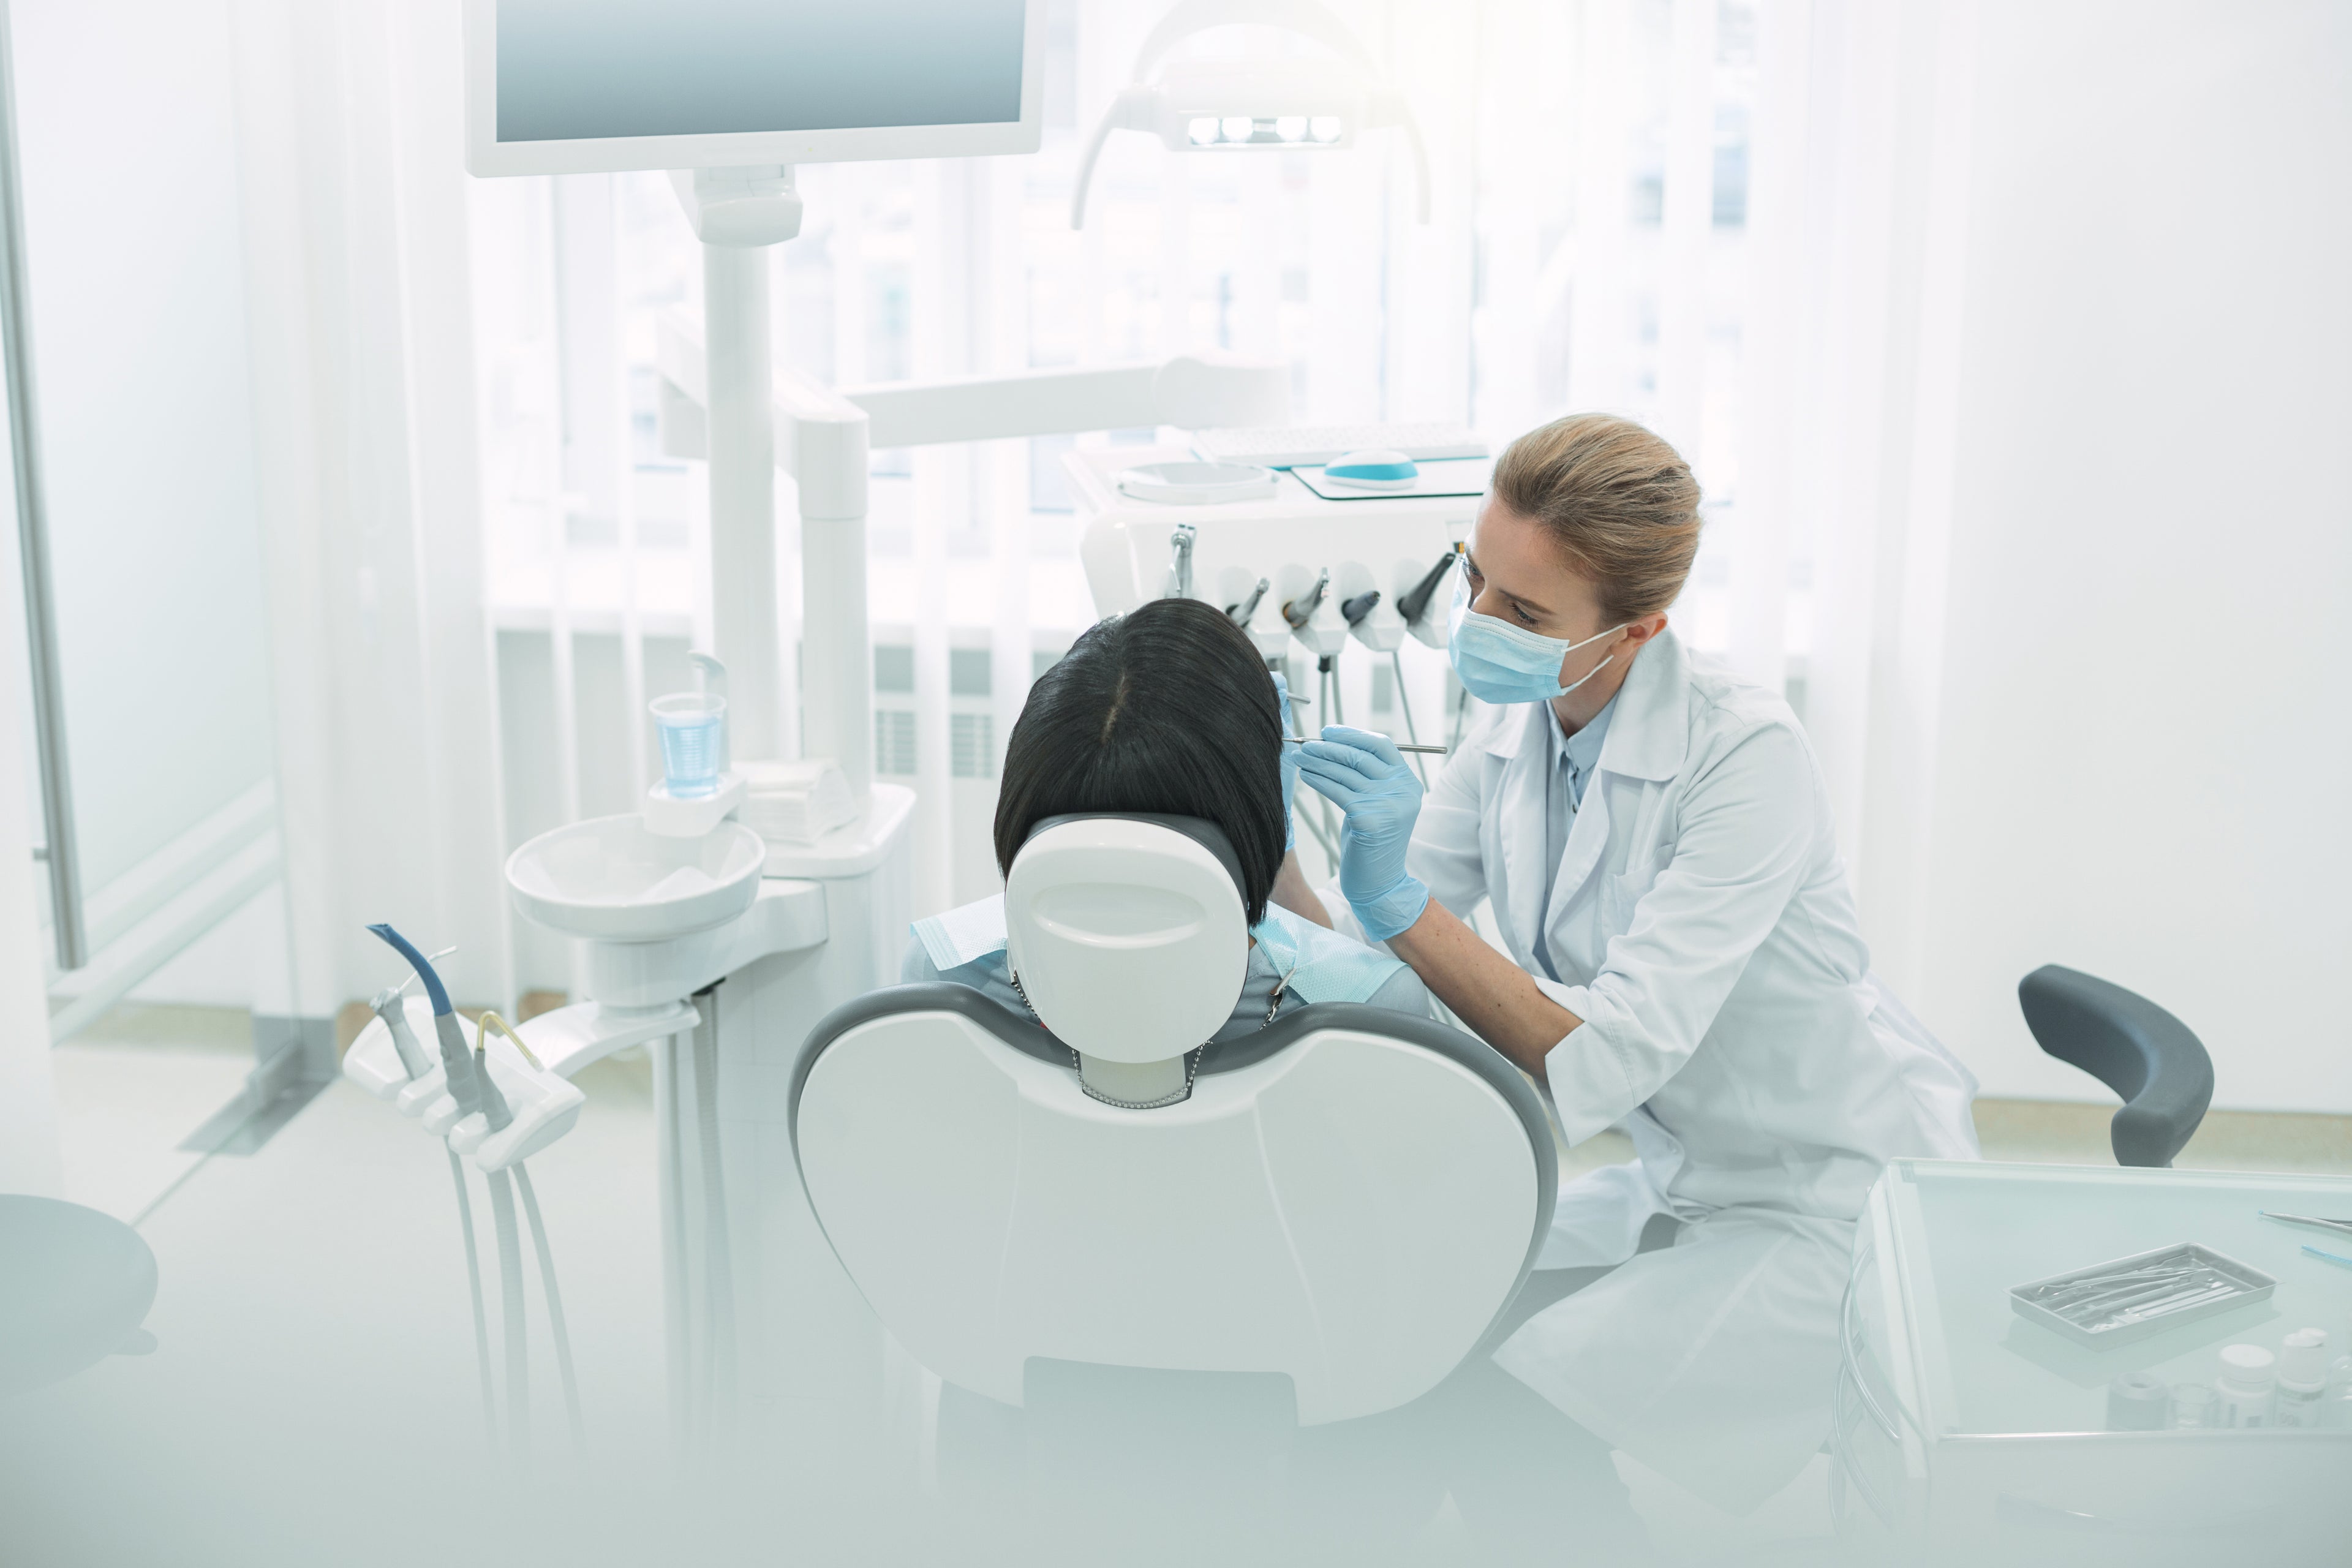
[75,1284]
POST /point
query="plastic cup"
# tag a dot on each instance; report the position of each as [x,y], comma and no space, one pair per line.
[2195,1405]
[693,727]
[2138,1402]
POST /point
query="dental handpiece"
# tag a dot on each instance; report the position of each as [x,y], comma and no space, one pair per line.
[1415,603]
[456,1062]
[1240,614]
[389,1005]
[1301,610]
[1354,610]
[1180,562]
[496,1114]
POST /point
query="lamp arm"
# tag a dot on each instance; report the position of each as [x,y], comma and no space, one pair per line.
[1087,164]
[1306,18]
[1388,108]
[1420,164]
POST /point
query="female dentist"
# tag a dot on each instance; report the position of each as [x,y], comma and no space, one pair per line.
[1684,962]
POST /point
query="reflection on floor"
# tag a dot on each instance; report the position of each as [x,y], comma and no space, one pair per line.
[328,1260]
[2037,1131]
[136,1083]
[2054,1132]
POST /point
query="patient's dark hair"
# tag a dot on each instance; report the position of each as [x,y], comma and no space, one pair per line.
[1168,708]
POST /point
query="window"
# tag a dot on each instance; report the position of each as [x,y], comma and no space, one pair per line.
[968,672]
[893,669]
[894,742]
[972,747]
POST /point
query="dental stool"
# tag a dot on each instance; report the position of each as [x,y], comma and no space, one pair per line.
[1087,1213]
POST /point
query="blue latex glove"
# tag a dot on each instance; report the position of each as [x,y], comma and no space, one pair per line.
[1365,776]
[1289,761]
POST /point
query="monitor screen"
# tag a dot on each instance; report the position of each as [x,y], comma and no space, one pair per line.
[591,70]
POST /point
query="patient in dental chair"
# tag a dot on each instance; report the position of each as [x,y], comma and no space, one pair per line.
[1168,708]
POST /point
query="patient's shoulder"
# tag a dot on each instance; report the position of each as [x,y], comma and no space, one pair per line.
[958,937]
[1405,993]
[1326,965]
[916,968]
[919,968]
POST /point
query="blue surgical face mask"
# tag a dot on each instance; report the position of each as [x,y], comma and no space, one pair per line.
[1499,662]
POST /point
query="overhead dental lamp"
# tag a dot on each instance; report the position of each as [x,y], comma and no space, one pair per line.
[1227,104]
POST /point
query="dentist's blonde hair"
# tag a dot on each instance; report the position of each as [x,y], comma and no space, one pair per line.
[1619,502]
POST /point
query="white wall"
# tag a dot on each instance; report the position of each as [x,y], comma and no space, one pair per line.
[2140,764]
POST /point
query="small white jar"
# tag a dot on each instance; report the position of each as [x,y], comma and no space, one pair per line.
[2302,1377]
[2248,1386]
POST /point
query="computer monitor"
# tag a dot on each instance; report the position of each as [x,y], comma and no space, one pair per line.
[569,87]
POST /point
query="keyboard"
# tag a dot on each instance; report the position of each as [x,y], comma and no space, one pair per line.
[1292,445]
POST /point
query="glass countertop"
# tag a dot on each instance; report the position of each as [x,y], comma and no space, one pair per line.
[1967,1232]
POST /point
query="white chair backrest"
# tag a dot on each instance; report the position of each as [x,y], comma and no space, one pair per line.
[1127,933]
[1348,1196]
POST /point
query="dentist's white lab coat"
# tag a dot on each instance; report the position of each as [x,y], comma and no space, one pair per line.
[1702,927]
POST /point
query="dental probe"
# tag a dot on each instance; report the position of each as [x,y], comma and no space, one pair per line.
[1400,746]
[2336,1225]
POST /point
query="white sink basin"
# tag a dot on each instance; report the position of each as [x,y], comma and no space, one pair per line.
[609,878]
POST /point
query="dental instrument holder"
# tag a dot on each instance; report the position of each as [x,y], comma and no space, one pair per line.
[1287,540]
[540,1104]
[2108,1289]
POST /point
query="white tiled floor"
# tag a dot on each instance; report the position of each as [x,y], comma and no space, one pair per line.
[135,1084]
[315,1346]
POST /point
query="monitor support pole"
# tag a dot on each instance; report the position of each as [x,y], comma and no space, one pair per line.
[738,214]
[756,420]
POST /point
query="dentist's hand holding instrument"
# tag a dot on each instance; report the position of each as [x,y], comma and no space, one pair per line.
[1364,775]
[1282,707]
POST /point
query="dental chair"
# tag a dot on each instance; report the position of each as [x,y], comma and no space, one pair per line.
[1087,1212]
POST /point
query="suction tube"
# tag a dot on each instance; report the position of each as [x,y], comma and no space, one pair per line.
[499,1116]
[456,1062]
[554,1308]
[474,1281]
[502,1215]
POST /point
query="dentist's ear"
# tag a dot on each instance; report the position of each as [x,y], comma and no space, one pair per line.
[1642,631]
